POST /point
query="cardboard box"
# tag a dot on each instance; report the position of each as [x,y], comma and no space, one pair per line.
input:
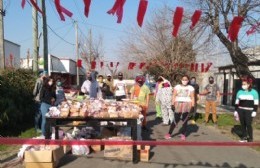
[40,165]
[121,152]
[144,152]
[67,149]
[44,158]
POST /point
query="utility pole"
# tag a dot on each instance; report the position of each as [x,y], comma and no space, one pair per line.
[2,48]
[35,38]
[77,50]
[45,36]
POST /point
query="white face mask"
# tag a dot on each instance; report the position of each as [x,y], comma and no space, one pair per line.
[50,83]
[245,87]
[184,82]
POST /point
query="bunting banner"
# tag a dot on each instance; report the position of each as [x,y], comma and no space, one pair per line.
[177,18]
[252,30]
[34,4]
[195,18]
[60,9]
[87,6]
[141,11]
[118,8]
[79,63]
[192,67]
[235,27]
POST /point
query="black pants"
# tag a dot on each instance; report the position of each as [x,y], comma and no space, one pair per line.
[119,98]
[177,118]
[246,123]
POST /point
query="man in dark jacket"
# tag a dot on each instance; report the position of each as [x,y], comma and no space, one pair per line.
[36,93]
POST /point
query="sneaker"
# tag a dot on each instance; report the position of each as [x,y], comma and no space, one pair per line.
[243,140]
[167,136]
[183,137]
[164,124]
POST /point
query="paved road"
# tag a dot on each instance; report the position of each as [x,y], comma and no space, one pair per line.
[168,157]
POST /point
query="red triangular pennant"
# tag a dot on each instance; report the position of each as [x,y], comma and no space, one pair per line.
[131,65]
[23,3]
[141,11]
[235,27]
[93,65]
[34,4]
[117,64]
[142,64]
[195,18]
[87,6]
[111,64]
[101,64]
[60,9]
[118,9]
[177,18]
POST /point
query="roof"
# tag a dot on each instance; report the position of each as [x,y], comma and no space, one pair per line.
[12,43]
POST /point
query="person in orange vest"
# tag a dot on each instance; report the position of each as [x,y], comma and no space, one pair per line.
[141,92]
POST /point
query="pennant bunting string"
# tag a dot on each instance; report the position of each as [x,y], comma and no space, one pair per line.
[195,18]
[177,18]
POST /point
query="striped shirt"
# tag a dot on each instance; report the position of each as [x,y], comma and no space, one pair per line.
[248,100]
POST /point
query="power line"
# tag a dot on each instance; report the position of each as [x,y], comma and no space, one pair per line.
[60,36]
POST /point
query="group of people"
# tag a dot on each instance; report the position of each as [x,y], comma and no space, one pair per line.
[47,94]
[117,89]
[180,103]
[173,104]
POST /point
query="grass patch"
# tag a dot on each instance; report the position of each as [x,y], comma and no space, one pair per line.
[26,134]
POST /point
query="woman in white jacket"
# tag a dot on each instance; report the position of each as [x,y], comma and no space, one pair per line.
[164,98]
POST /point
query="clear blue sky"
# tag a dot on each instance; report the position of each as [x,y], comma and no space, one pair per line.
[18,24]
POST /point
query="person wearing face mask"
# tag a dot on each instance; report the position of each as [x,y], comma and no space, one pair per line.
[120,88]
[141,93]
[182,104]
[60,94]
[212,98]
[164,97]
[85,88]
[246,104]
[109,91]
[47,98]
[196,98]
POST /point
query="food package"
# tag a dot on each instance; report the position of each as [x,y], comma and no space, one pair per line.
[64,112]
[74,114]
[104,114]
[74,110]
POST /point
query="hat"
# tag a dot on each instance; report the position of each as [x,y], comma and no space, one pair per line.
[120,74]
[43,73]
[140,79]
[108,74]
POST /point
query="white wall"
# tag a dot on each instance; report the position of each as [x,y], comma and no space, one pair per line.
[14,49]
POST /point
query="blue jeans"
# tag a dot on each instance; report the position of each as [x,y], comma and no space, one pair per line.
[44,109]
[37,115]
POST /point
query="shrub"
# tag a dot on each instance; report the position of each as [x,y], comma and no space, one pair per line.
[16,100]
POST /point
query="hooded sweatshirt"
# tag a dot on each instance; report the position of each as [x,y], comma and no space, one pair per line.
[94,90]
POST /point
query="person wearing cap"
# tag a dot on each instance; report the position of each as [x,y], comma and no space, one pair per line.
[36,93]
[120,88]
[60,94]
[103,86]
[164,98]
[141,92]
[109,91]
[246,105]
[212,98]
